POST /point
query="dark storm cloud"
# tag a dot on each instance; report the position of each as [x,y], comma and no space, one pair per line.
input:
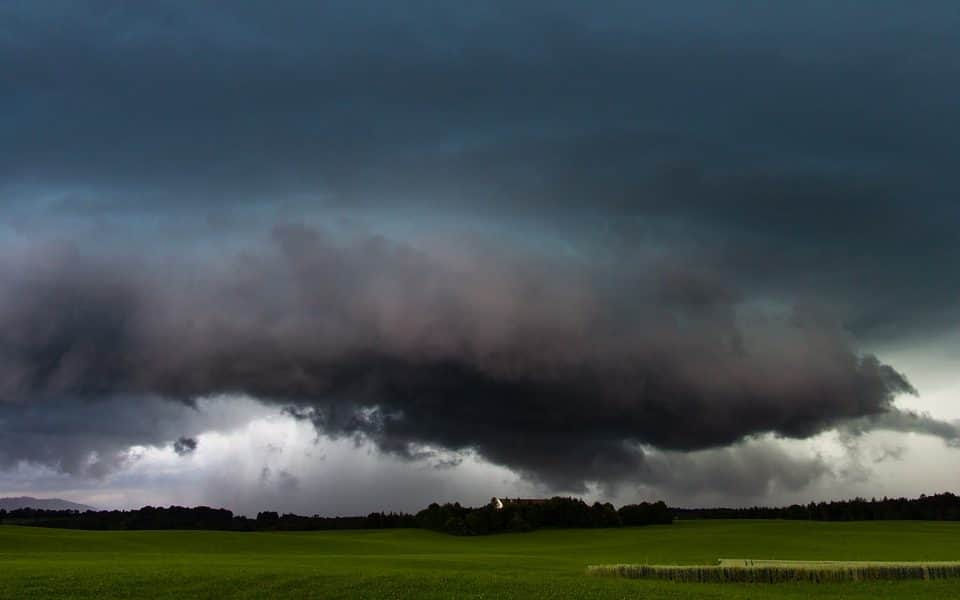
[727,194]
[185,446]
[545,365]
[91,437]
[908,421]
[807,149]
[747,471]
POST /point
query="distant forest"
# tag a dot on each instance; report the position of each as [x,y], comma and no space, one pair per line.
[455,519]
[938,507]
[450,518]
[556,512]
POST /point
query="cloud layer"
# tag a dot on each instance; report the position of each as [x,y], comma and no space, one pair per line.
[582,243]
[551,367]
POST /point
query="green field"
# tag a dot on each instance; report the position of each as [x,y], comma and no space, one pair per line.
[51,563]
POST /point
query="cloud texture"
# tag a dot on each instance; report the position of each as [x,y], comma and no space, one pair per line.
[583,243]
[557,369]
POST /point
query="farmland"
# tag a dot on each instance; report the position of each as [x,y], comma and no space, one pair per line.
[42,563]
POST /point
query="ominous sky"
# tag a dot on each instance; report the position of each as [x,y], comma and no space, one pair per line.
[334,257]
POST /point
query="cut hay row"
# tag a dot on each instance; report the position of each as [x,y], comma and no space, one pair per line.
[764,562]
[781,572]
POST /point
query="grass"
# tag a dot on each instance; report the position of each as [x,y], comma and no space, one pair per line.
[50,563]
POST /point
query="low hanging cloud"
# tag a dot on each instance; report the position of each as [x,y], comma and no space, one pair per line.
[93,437]
[758,469]
[185,446]
[907,421]
[557,368]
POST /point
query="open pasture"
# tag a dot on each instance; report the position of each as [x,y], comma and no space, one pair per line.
[51,563]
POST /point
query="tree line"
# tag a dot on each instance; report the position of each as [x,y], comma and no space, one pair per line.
[198,517]
[450,518]
[556,512]
[938,507]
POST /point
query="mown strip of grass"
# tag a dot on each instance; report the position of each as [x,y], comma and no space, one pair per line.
[770,571]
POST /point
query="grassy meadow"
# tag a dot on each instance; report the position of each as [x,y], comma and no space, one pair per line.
[53,563]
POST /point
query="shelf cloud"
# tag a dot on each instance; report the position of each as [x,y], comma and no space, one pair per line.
[595,246]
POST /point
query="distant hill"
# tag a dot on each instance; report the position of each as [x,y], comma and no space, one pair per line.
[41,503]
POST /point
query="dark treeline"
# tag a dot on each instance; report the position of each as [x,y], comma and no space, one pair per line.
[271,521]
[450,518]
[513,516]
[555,512]
[938,507]
[199,517]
